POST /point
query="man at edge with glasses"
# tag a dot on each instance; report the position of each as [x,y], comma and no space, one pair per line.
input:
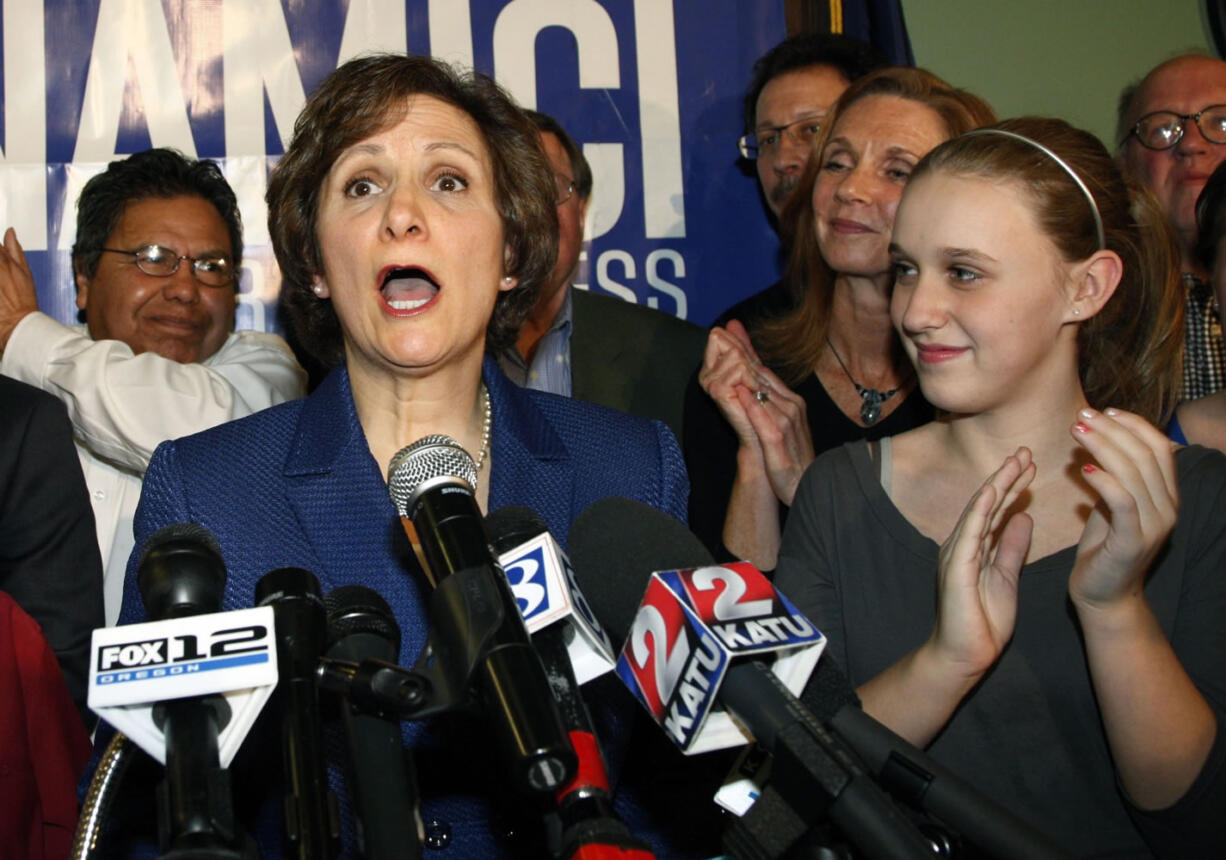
[1172,134]
[156,262]
[793,85]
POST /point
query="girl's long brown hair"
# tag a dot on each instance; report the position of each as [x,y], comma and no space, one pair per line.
[1129,353]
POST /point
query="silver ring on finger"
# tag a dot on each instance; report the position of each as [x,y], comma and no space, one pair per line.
[762,395]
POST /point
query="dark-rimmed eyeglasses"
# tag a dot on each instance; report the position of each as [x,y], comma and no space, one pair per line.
[1163,129]
[765,141]
[565,187]
[162,262]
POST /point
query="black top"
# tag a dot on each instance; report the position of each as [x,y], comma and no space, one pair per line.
[775,300]
[1029,735]
[49,560]
[710,447]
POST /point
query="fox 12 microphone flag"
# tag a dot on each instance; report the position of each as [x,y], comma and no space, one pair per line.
[650,89]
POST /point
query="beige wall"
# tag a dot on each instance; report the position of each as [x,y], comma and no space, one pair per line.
[1066,58]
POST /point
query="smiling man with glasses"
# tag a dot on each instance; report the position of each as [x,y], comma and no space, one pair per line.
[1172,134]
[158,244]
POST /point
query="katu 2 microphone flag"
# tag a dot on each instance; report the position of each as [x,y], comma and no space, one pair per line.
[690,625]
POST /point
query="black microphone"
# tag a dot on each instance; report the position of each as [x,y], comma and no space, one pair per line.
[914,776]
[181,573]
[361,626]
[616,544]
[477,635]
[589,826]
[311,817]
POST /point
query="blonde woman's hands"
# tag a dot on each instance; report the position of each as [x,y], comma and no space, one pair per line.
[979,566]
[730,365]
[1133,472]
[767,416]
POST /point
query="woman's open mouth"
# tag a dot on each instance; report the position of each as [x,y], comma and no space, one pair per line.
[408,288]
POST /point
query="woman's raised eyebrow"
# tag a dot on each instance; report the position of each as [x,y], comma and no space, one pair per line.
[363,148]
[447,144]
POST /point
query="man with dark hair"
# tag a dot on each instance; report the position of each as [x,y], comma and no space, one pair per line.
[156,264]
[793,86]
[1171,131]
[594,347]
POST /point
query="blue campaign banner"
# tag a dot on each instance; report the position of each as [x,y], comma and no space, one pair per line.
[651,89]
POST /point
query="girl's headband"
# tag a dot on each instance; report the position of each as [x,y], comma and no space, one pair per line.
[1098,218]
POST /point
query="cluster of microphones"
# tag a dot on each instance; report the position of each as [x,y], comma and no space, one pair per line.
[714,653]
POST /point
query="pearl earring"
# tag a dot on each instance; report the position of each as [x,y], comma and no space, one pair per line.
[508,279]
[319,290]
[1076,312]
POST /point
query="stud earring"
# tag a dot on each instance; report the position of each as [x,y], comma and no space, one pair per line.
[508,280]
[318,289]
[1076,312]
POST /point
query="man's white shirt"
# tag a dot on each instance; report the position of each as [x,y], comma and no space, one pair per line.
[122,406]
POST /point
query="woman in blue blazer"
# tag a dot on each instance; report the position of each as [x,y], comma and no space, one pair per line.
[413,218]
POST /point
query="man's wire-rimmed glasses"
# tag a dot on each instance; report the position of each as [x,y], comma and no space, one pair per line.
[766,141]
[162,262]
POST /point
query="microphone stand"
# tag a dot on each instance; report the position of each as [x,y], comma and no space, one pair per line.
[101,795]
[381,772]
[584,825]
[311,818]
[194,800]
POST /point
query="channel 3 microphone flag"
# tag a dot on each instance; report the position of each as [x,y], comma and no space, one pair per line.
[543,584]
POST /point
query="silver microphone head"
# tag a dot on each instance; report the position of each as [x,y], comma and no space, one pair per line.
[429,462]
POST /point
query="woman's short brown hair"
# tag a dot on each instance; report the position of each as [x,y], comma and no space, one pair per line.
[793,343]
[360,99]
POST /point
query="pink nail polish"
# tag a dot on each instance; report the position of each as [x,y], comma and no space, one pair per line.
[1082,427]
[1089,467]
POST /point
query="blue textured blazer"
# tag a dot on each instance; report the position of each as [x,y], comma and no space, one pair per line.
[296,485]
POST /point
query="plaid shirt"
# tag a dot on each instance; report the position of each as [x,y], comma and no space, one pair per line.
[1204,356]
